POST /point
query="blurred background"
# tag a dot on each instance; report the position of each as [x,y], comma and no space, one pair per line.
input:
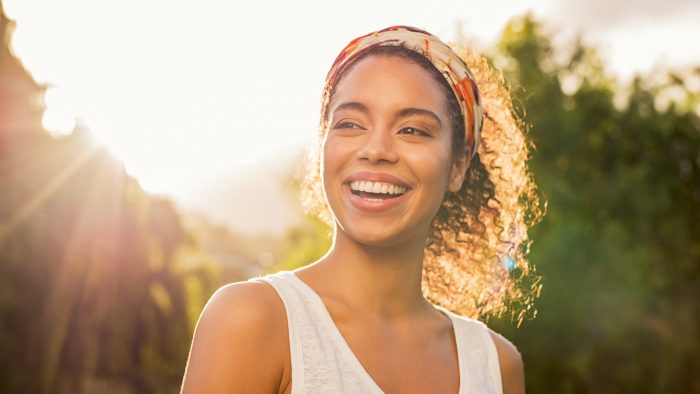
[148,154]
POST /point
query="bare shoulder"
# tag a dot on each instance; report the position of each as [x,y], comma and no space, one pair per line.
[244,303]
[239,341]
[511,363]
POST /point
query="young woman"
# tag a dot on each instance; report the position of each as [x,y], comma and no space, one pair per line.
[427,190]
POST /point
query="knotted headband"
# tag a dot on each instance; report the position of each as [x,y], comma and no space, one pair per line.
[445,60]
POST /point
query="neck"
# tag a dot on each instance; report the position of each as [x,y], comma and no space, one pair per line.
[383,281]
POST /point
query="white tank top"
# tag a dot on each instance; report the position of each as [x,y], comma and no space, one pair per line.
[322,361]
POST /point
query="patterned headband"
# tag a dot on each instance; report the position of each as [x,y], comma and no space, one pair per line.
[445,60]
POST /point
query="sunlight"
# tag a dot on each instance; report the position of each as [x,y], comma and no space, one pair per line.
[31,205]
[193,96]
[185,106]
[59,117]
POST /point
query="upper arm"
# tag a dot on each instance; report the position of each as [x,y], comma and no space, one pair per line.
[511,365]
[238,342]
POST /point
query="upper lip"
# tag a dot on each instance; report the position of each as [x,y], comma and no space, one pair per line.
[376,177]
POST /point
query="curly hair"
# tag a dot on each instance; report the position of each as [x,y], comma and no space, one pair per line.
[475,256]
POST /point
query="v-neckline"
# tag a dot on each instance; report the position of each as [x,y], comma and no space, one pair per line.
[350,355]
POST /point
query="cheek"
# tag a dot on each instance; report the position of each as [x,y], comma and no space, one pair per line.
[432,165]
[332,155]
[438,173]
[336,149]
[328,154]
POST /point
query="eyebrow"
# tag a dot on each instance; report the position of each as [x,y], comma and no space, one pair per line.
[354,105]
[419,111]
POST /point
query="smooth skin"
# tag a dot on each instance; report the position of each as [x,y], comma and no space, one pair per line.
[374,267]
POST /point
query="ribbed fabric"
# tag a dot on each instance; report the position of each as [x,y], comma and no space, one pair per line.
[322,361]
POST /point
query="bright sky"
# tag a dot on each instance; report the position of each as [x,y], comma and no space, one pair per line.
[187,91]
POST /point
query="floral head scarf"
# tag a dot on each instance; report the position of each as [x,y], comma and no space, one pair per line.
[445,60]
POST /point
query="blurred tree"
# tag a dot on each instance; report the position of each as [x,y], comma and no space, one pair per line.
[93,295]
[304,244]
[618,249]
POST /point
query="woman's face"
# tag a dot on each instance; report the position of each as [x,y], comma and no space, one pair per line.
[387,160]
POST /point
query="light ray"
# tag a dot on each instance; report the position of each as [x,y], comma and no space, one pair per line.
[47,191]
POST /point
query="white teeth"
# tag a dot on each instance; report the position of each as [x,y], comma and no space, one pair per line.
[377,187]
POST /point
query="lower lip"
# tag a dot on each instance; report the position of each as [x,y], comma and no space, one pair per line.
[373,206]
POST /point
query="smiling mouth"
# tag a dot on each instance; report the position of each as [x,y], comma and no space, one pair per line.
[375,196]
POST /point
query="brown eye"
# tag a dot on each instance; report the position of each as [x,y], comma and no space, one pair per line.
[347,125]
[413,131]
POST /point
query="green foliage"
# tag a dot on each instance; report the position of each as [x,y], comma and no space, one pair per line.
[305,244]
[91,291]
[618,249]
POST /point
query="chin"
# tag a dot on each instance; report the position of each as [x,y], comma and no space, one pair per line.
[377,236]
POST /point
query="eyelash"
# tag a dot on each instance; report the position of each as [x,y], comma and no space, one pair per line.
[342,125]
[350,125]
[418,131]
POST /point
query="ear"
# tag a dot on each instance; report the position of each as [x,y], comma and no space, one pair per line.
[457,172]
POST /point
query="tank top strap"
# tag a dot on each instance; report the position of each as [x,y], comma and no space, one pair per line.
[479,349]
[319,365]
[291,305]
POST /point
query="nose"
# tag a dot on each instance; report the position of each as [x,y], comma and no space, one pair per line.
[378,147]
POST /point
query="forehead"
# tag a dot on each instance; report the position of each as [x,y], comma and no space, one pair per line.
[389,80]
